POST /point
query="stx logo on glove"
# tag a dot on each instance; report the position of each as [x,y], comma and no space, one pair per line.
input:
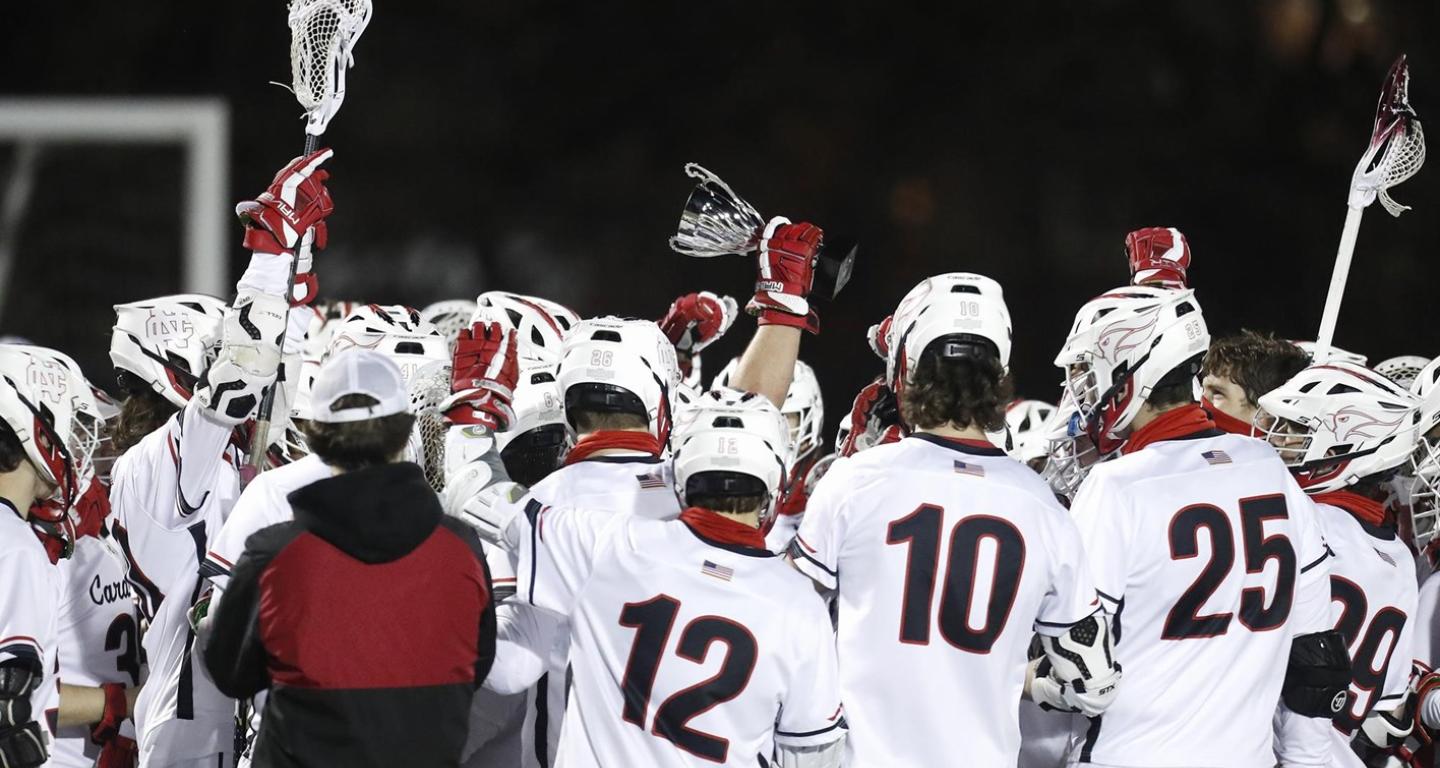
[169,328]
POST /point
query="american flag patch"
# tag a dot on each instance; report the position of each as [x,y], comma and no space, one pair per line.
[716,570]
[651,481]
[1216,457]
[965,468]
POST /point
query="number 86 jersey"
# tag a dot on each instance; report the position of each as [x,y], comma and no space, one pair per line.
[948,557]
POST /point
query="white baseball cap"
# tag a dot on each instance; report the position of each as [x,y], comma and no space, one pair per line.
[358,371]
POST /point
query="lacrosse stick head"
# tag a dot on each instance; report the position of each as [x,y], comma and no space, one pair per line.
[1397,145]
[322,41]
[716,221]
[429,388]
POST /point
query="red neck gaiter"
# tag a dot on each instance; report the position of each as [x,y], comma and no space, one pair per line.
[717,527]
[643,442]
[1364,508]
[1225,422]
[1182,421]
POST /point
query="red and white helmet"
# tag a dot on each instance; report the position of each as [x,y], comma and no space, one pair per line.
[963,307]
[166,343]
[1026,421]
[1425,459]
[733,444]
[449,316]
[540,324]
[395,331]
[620,365]
[1402,369]
[1336,423]
[1122,346]
[804,408]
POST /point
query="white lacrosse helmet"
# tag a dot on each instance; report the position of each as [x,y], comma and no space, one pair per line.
[1026,420]
[1070,453]
[1335,353]
[1425,460]
[623,366]
[1402,369]
[1123,345]
[395,331]
[1336,423]
[167,342]
[49,407]
[964,305]
[449,316]
[734,444]
[540,325]
[538,439]
[804,407]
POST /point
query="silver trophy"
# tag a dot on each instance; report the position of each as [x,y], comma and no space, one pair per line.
[718,222]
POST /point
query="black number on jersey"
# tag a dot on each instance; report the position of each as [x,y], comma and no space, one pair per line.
[1367,670]
[1184,621]
[920,533]
[124,636]
[652,621]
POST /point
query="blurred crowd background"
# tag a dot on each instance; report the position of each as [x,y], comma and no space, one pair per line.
[538,147]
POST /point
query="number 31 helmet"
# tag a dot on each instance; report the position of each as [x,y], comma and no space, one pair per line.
[733,444]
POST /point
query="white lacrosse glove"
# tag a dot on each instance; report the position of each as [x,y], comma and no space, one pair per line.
[249,357]
[493,513]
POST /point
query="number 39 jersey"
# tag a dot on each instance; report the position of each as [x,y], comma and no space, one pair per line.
[1212,558]
[686,650]
[99,635]
[948,557]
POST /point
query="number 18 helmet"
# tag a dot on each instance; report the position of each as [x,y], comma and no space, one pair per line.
[1123,345]
[1336,423]
[733,444]
[166,343]
[962,311]
[617,365]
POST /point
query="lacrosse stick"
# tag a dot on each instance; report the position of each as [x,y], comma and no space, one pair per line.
[323,34]
[718,222]
[1396,152]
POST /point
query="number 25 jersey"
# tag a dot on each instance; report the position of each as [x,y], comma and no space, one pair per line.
[1212,559]
[948,557]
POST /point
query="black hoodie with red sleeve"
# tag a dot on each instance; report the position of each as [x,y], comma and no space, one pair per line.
[368,617]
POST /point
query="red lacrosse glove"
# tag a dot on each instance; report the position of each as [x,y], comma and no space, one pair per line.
[1158,256]
[116,710]
[119,752]
[483,377]
[696,320]
[92,508]
[879,337]
[296,201]
[787,270]
[874,420]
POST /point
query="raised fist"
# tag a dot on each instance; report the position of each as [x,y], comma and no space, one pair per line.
[874,420]
[696,320]
[295,201]
[1158,256]
[786,272]
[484,373]
[879,337]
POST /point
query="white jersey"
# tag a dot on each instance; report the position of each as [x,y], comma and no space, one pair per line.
[170,492]
[264,503]
[1427,631]
[99,635]
[630,483]
[685,650]
[1212,560]
[1374,594]
[927,673]
[29,610]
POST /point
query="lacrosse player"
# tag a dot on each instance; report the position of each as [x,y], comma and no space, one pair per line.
[1343,430]
[1238,370]
[639,593]
[173,487]
[43,468]
[1182,530]
[945,506]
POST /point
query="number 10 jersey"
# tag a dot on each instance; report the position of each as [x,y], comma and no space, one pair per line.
[948,557]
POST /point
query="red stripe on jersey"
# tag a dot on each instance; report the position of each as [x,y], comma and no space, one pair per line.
[219,559]
[321,630]
[805,543]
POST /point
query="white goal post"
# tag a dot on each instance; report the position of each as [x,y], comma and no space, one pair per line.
[200,125]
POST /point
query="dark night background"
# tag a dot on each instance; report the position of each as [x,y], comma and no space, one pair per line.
[538,146]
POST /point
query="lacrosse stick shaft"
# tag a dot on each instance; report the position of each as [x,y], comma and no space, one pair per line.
[1325,338]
